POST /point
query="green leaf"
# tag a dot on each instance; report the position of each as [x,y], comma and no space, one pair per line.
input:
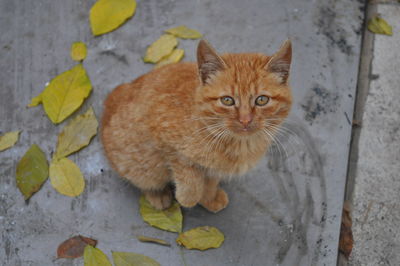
[201,238]
[66,177]
[64,94]
[380,26]
[174,57]
[184,32]
[107,15]
[77,134]
[169,219]
[8,140]
[160,48]
[95,257]
[78,51]
[153,240]
[132,259]
[32,171]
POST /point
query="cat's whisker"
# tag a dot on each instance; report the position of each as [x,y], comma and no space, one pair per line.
[276,141]
[209,145]
[212,129]
[219,138]
[209,140]
[273,145]
[215,143]
[290,135]
[291,139]
[279,142]
[281,127]
[207,127]
[224,136]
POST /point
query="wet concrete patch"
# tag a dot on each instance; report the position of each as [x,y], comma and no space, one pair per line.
[318,102]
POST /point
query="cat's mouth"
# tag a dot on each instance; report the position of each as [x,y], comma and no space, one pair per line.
[244,130]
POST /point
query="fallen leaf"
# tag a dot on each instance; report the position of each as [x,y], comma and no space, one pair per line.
[169,219]
[174,57]
[95,257]
[201,238]
[77,134]
[107,15]
[64,94]
[346,234]
[8,140]
[160,48]
[32,171]
[78,51]
[132,259]
[184,32]
[380,26]
[153,240]
[66,177]
[74,247]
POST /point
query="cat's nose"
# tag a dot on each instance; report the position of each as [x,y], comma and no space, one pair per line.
[246,119]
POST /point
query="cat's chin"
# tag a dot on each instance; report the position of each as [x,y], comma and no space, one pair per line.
[244,132]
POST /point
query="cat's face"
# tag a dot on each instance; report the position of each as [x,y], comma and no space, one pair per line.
[244,93]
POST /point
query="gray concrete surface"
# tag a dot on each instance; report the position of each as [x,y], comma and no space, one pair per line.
[285,212]
[375,197]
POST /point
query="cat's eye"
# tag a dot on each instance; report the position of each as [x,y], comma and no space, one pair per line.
[262,100]
[228,101]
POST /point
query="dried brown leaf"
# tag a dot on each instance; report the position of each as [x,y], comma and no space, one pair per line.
[74,247]
[346,234]
[153,240]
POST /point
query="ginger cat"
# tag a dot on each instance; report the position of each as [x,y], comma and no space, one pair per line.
[195,124]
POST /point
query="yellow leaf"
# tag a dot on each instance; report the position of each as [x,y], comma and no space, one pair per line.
[160,48]
[66,177]
[201,238]
[107,15]
[174,57]
[132,259]
[32,171]
[153,240]
[169,219]
[64,94]
[95,257]
[78,51]
[77,134]
[380,26]
[184,32]
[8,140]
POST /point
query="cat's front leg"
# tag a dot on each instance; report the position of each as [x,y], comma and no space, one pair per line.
[189,181]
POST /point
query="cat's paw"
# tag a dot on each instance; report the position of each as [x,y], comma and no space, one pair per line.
[160,200]
[186,201]
[188,196]
[220,202]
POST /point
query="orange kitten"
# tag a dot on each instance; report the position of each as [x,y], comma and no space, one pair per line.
[194,125]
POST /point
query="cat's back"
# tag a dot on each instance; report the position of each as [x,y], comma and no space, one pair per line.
[160,91]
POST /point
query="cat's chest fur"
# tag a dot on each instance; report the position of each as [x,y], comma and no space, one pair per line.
[223,155]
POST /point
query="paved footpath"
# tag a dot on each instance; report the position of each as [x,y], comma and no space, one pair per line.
[285,212]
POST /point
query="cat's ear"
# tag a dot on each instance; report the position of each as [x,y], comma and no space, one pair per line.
[208,61]
[280,62]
